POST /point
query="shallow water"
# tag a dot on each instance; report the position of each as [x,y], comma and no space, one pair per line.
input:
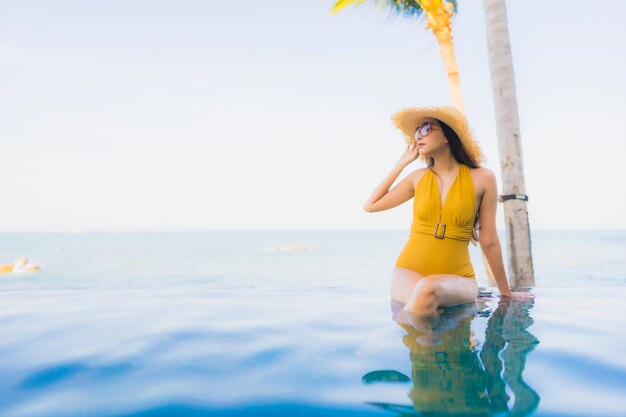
[245,352]
[158,324]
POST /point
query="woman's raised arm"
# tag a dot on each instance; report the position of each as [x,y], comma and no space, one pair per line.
[382,198]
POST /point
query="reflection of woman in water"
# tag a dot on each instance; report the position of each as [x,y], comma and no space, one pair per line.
[451,197]
[452,375]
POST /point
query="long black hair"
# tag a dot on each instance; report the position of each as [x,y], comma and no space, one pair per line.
[456,148]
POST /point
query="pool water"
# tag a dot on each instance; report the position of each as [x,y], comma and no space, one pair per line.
[218,324]
[266,352]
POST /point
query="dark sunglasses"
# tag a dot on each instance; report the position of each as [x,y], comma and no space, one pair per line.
[424,129]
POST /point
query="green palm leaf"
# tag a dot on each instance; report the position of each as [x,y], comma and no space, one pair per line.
[404,8]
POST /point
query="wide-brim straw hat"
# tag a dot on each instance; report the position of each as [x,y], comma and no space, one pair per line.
[408,119]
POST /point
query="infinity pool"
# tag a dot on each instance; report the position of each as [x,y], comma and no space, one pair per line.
[308,353]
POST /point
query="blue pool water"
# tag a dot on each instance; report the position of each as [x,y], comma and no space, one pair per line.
[216,323]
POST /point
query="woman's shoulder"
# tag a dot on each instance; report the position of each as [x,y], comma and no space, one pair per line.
[482,172]
[416,175]
[483,178]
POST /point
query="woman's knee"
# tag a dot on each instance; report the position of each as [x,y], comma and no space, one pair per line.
[455,290]
[428,288]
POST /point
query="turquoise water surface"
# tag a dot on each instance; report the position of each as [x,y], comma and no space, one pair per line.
[218,323]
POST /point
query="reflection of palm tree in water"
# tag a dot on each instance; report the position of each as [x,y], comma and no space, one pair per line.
[506,333]
[452,375]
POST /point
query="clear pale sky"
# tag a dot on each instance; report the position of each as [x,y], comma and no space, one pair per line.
[202,115]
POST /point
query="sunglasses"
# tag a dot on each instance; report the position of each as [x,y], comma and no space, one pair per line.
[424,129]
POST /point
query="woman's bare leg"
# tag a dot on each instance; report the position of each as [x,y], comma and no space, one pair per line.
[403,280]
[440,290]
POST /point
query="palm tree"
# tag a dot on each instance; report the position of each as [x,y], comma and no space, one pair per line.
[439,16]
[509,144]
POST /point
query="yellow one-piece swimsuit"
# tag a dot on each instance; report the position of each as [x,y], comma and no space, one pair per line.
[439,238]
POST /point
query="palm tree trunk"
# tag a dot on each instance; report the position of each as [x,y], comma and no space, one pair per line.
[446,48]
[511,164]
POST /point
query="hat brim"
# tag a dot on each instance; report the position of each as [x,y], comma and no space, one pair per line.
[408,119]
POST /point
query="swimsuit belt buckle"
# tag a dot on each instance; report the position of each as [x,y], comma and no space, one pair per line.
[443,230]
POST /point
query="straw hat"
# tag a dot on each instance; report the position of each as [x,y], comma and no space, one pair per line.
[408,119]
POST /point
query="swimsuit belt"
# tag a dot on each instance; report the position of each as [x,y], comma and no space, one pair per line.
[441,231]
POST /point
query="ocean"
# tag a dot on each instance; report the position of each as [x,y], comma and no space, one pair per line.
[287,323]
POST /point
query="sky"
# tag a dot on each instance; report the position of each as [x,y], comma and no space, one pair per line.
[207,115]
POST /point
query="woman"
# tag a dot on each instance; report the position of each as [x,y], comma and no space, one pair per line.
[452,196]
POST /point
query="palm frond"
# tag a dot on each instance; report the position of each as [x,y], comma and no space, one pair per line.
[342,4]
[404,8]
